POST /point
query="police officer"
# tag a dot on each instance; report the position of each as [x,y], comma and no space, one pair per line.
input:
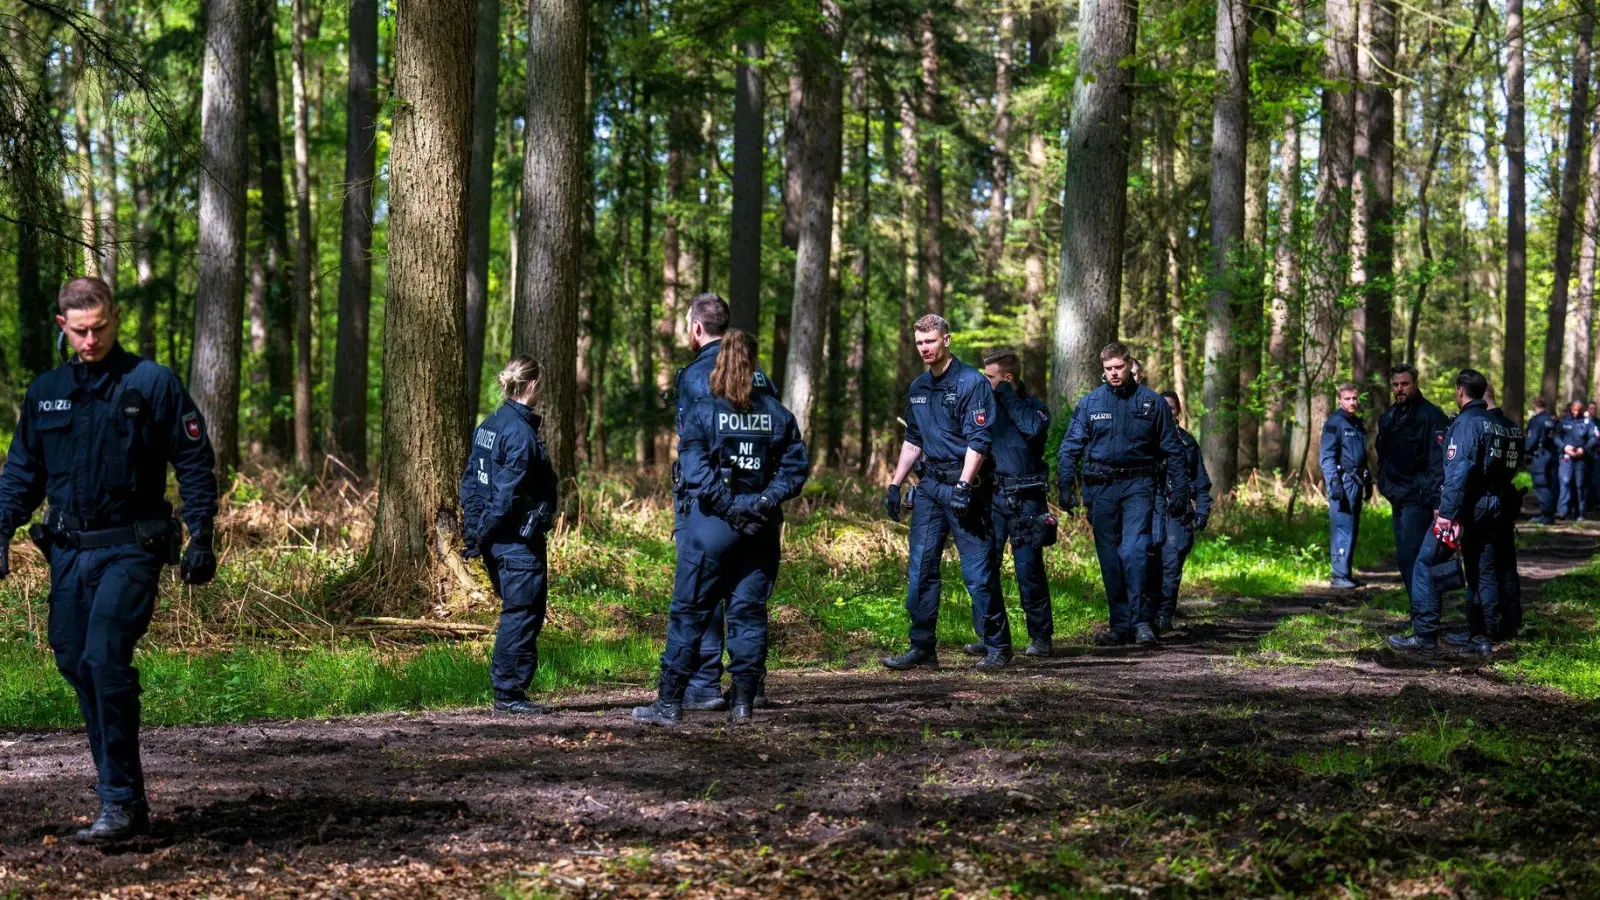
[1575,435]
[1344,472]
[1020,429]
[948,440]
[1124,438]
[94,439]
[1410,465]
[1480,459]
[741,457]
[708,322]
[1180,529]
[508,501]
[1503,541]
[1541,451]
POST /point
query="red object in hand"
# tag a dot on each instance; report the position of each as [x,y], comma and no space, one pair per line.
[1448,531]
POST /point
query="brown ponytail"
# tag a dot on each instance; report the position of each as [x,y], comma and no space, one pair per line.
[736,369]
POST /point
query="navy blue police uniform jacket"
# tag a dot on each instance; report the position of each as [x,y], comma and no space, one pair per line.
[1579,432]
[95,440]
[1199,479]
[1411,452]
[757,451]
[1343,455]
[1539,441]
[1017,437]
[508,477]
[1480,458]
[1115,432]
[694,380]
[948,414]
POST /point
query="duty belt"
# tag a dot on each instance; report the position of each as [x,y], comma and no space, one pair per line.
[94,540]
[1115,473]
[1009,483]
[945,474]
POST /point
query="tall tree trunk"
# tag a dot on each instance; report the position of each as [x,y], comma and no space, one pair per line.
[1516,218]
[1580,365]
[644,328]
[219,286]
[1171,270]
[144,264]
[861,265]
[677,257]
[1326,278]
[898,113]
[749,191]
[834,404]
[1361,97]
[933,164]
[88,208]
[1035,356]
[480,193]
[1095,202]
[1566,221]
[1251,320]
[1219,424]
[1000,165]
[794,144]
[304,241]
[819,178]
[355,246]
[552,213]
[276,305]
[1378,301]
[1494,231]
[108,199]
[424,319]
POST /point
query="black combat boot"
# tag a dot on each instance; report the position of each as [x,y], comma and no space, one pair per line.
[117,821]
[1038,647]
[1112,639]
[912,659]
[995,659]
[1413,645]
[668,708]
[523,707]
[1163,625]
[741,706]
[1477,647]
[1145,636]
[976,648]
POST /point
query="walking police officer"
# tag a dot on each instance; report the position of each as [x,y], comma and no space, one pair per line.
[1019,431]
[508,502]
[1541,452]
[1180,528]
[741,458]
[1344,472]
[1503,539]
[1123,436]
[708,322]
[94,438]
[1480,460]
[1575,435]
[948,441]
[1410,465]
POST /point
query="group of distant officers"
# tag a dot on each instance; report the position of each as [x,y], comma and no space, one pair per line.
[95,437]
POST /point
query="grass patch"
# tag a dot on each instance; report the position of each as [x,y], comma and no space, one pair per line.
[1563,635]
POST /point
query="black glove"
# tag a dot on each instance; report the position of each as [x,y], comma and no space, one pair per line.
[5,557]
[715,499]
[1201,520]
[199,564]
[745,515]
[765,507]
[891,502]
[1178,506]
[961,498]
[1004,387]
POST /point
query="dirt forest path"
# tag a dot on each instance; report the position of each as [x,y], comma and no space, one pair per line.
[1193,770]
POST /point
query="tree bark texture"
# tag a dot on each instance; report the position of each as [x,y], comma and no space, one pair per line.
[277,305]
[551,233]
[1285,281]
[933,164]
[1378,299]
[1566,220]
[424,310]
[1035,355]
[1580,361]
[1516,286]
[1095,200]
[749,191]
[304,243]
[219,286]
[480,193]
[999,165]
[355,246]
[1219,423]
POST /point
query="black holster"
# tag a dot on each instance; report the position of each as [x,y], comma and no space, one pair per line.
[42,538]
[161,537]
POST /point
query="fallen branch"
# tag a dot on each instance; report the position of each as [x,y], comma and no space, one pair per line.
[389,623]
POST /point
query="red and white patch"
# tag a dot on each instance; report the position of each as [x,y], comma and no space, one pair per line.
[980,416]
[1438,437]
[1451,452]
[191,426]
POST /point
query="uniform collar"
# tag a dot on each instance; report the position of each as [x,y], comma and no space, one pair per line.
[527,414]
[94,377]
[1479,403]
[1128,389]
[710,349]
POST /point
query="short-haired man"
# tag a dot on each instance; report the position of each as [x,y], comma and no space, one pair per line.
[1124,438]
[949,411]
[1480,460]
[708,322]
[1344,473]
[1577,437]
[1020,429]
[1539,446]
[1410,464]
[95,437]
[1182,527]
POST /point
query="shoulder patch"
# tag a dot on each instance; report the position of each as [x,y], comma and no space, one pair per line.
[191,426]
[1450,453]
[980,416]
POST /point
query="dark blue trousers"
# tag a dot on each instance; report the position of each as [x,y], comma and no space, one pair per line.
[933,523]
[1174,553]
[1033,586]
[1508,606]
[1411,523]
[101,602]
[518,573]
[719,567]
[1483,585]
[706,681]
[1344,529]
[1545,481]
[1574,474]
[1121,513]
